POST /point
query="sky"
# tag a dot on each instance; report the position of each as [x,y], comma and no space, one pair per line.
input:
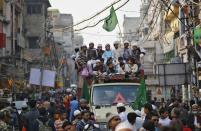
[83,9]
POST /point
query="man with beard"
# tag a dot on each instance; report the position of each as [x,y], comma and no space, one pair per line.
[126,52]
[91,52]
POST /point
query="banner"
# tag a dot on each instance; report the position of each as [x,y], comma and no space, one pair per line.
[48,78]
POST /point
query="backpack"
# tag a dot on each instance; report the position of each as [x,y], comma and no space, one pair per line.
[44,127]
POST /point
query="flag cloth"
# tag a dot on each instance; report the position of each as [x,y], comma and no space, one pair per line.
[197,35]
[111,21]
[141,97]
[85,91]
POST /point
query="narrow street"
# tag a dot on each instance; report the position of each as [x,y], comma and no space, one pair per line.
[99,65]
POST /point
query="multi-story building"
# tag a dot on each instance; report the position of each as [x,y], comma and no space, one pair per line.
[143,27]
[78,40]
[130,26]
[11,39]
[11,21]
[35,28]
[153,56]
[149,30]
[171,31]
[62,29]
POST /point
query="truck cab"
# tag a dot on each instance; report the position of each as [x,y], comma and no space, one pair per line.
[113,90]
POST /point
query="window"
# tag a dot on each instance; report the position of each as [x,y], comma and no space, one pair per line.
[34,9]
[1,6]
[33,42]
[111,93]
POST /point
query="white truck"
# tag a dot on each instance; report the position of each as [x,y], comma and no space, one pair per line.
[105,96]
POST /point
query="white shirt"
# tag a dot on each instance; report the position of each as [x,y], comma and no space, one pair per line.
[139,122]
[164,122]
[116,54]
[125,125]
[123,116]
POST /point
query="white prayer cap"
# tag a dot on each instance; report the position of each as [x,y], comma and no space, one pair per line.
[84,45]
[116,43]
[68,90]
[76,112]
[120,105]
[98,61]
[126,42]
[107,45]
[99,45]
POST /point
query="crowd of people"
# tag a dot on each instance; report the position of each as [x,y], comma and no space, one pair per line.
[64,113]
[67,113]
[172,115]
[105,62]
[95,64]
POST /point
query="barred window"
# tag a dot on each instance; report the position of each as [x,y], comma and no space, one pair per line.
[34,9]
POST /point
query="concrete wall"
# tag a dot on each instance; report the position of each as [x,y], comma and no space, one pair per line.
[130,26]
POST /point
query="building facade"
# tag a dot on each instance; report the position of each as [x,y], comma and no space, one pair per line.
[130,26]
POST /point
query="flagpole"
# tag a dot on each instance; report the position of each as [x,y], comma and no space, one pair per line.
[120,33]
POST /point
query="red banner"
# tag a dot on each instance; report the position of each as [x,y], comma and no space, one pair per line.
[2,40]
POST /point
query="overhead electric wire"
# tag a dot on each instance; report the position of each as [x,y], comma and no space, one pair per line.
[174,14]
[144,16]
[100,19]
[195,2]
[152,27]
[107,7]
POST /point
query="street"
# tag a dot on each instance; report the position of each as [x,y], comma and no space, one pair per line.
[121,65]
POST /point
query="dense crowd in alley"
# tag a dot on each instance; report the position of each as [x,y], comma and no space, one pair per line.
[67,110]
[66,113]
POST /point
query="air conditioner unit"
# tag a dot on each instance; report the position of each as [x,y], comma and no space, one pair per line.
[6,20]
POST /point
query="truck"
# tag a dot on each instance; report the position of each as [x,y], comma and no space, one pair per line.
[113,89]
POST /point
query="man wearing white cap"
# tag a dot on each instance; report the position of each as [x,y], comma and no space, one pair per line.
[108,53]
[126,52]
[128,125]
[77,117]
[112,121]
[122,111]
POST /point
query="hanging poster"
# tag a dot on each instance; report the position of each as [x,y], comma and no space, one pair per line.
[47,80]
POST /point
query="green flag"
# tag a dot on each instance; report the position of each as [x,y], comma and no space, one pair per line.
[141,96]
[110,21]
[197,35]
[85,91]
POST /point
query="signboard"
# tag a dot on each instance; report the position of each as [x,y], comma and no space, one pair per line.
[174,74]
[47,80]
[35,76]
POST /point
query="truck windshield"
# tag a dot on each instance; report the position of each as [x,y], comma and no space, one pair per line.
[113,94]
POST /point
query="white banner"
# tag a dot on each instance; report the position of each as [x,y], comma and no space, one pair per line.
[47,80]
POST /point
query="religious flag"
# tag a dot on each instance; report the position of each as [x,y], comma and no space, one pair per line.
[197,36]
[111,21]
[85,91]
[141,96]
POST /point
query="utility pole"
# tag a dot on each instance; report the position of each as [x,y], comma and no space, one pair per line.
[13,51]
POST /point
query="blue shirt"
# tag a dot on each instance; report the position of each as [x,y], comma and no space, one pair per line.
[107,54]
